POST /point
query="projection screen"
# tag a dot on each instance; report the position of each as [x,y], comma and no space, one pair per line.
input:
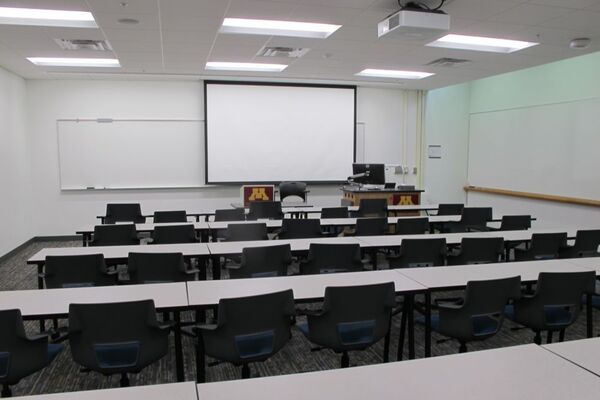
[265,132]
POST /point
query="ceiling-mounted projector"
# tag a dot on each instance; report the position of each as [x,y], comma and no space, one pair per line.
[415,22]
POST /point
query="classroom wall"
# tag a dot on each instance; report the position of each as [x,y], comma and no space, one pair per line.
[564,81]
[447,125]
[61,213]
[15,183]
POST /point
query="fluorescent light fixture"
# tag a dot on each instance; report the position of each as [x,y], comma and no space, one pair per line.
[75,62]
[39,17]
[236,66]
[390,73]
[480,43]
[278,28]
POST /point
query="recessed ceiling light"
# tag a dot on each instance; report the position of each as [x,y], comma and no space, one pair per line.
[278,28]
[390,73]
[75,62]
[480,43]
[39,17]
[235,66]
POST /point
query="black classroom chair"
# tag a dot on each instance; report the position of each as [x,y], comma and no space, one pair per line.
[289,189]
[122,212]
[172,234]
[478,251]
[170,216]
[115,235]
[77,271]
[158,268]
[262,262]
[586,245]
[324,258]
[264,210]
[419,253]
[295,228]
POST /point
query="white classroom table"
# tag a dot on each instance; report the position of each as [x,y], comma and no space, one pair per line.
[587,262]
[170,391]
[584,353]
[396,240]
[457,276]
[55,303]
[520,372]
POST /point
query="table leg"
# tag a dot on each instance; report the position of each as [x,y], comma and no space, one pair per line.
[589,316]
[178,348]
[40,279]
[411,326]
[200,360]
[216,268]
[402,328]
[428,324]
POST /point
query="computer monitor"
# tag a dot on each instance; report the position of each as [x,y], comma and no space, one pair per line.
[376,173]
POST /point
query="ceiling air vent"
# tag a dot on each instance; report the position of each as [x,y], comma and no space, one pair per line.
[288,52]
[83,44]
[448,62]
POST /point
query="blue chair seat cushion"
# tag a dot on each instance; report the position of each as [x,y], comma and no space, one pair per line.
[356,332]
[117,355]
[483,325]
[53,350]
[255,345]
[555,315]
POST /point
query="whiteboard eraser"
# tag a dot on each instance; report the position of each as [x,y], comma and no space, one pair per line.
[104,120]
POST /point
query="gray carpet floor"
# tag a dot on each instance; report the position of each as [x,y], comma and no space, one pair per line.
[63,375]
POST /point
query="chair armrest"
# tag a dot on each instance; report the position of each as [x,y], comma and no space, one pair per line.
[449,306]
[111,272]
[206,327]
[191,271]
[165,326]
[40,337]
[233,266]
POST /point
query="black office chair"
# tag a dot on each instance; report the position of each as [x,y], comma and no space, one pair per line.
[264,210]
[555,305]
[450,209]
[324,258]
[478,251]
[515,223]
[77,271]
[170,216]
[372,208]
[419,253]
[352,318]
[586,245]
[334,212]
[245,232]
[544,246]
[117,338]
[472,219]
[230,214]
[300,228]
[480,314]
[124,213]
[115,235]
[370,227]
[172,234]
[21,355]
[298,189]
[262,262]
[158,268]
[249,329]
[412,226]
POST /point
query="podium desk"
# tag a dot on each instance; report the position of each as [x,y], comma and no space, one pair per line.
[351,196]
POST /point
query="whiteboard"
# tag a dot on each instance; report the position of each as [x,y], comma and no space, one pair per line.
[260,132]
[130,154]
[550,149]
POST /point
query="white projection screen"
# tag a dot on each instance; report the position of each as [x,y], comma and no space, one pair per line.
[264,132]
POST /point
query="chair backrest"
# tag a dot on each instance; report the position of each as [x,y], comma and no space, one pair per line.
[371,226]
[450,209]
[412,226]
[476,216]
[328,258]
[170,216]
[124,213]
[287,189]
[19,357]
[264,210]
[252,328]
[353,317]
[587,242]
[372,208]
[482,311]
[421,253]
[245,232]
[300,228]
[156,268]
[547,245]
[515,222]
[479,251]
[261,262]
[115,235]
[230,214]
[334,212]
[116,337]
[557,299]
[170,234]
[76,271]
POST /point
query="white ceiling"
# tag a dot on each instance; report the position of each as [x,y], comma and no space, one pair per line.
[175,38]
